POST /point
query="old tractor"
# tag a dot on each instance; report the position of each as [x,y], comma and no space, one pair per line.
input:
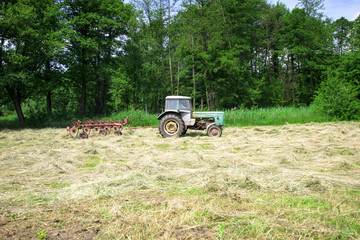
[178,117]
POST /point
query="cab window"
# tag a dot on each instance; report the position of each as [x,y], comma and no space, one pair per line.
[184,105]
[171,104]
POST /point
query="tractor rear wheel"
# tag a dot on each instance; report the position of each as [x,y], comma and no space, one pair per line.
[185,130]
[214,131]
[171,125]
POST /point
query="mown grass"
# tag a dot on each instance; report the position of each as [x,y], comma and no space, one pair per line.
[236,118]
[277,182]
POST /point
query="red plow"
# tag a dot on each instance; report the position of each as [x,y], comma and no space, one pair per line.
[84,129]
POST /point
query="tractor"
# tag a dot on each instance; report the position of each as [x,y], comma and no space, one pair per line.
[178,117]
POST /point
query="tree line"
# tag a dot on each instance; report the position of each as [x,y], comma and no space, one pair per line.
[94,57]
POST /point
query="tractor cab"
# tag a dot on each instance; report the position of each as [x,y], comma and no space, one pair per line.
[178,103]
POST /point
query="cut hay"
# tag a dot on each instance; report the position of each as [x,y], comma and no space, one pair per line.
[292,181]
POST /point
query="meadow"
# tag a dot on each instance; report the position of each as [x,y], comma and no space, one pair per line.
[265,182]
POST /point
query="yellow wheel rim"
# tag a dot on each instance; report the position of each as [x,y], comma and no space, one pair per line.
[171,126]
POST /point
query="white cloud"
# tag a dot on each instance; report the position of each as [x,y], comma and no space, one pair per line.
[334,9]
[355,16]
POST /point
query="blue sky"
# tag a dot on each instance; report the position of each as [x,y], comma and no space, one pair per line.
[334,9]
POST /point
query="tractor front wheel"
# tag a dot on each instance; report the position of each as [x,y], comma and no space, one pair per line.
[214,131]
[171,125]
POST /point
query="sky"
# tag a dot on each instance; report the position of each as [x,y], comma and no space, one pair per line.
[334,9]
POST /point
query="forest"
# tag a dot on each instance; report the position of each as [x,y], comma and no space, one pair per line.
[66,58]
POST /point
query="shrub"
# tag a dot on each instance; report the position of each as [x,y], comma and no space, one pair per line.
[338,99]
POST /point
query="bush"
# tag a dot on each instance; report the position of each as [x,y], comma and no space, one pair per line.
[338,99]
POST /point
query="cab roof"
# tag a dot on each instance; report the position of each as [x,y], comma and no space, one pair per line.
[178,97]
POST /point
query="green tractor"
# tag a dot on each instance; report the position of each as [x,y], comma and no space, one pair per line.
[178,117]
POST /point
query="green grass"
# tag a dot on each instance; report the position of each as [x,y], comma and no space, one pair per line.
[136,118]
[273,116]
[10,121]
[163,146]
[56,185]
[91,162]
[237,118]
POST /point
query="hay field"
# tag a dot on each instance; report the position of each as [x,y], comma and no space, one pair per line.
[292,181]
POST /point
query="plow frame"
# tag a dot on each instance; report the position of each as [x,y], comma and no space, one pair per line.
[84,129]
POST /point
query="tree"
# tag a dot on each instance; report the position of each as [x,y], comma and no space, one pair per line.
[342,28]
[22,28]
[97,28]
[49,70]
[308,44]
[273,25]
[312,8]
[355,35]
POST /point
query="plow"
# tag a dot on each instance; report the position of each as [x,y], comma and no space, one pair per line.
[84,129]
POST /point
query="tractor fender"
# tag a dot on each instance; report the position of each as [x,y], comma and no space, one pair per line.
[166,112]
[210,126]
